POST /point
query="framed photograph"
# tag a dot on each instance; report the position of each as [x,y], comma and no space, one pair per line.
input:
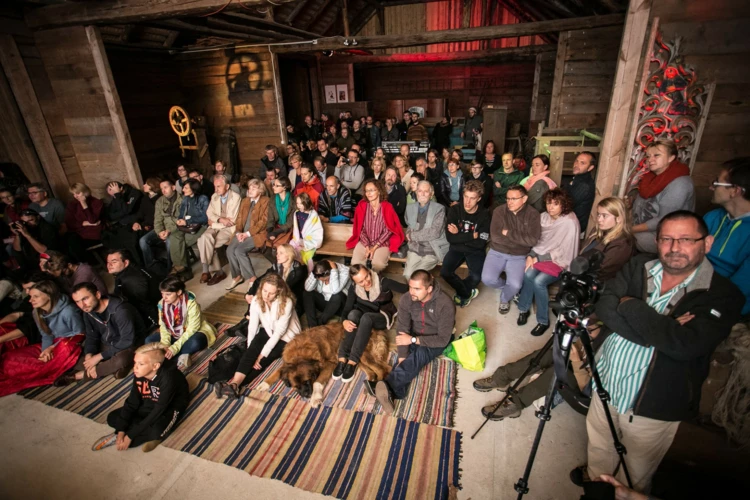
[330,94]
[342,93]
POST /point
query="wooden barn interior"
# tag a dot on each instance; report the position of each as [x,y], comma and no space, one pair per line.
[87,86]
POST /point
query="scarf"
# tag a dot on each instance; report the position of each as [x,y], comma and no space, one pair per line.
[558,239]
[374,292]
[532,179]
[652,184]
[282,208]
[173,316]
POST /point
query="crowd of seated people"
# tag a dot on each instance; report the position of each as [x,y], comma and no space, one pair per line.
[428,211]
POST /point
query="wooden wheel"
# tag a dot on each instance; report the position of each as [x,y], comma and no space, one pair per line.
[179,120]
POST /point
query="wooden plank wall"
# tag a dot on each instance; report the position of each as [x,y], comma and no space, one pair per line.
[716,44]
[584,73]
[250,108]
[541,97]
[462,85]
[149,85]
[78,94]
[399,20]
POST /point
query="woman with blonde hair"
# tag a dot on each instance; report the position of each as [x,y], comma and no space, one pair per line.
[613,237]
[83,218]
[378,168]
[273,323]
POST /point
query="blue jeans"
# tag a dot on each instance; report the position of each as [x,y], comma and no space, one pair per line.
[401,376]
[513,265]
[452,260]
[535,287]
[197,342]
[146,242]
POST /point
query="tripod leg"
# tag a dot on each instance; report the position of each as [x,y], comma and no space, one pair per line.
[513,390]
[605,398]
[522,486]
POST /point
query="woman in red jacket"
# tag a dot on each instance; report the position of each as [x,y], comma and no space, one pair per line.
[83,218]
[377,231]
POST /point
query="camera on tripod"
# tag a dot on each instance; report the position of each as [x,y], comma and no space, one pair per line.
[579,287]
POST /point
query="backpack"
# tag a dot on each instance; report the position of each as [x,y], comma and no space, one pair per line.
[223,367]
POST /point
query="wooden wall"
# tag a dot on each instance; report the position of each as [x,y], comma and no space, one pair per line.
[462,85]
[399,20]
[149,84]
[541,96]
[715,42]
[234,89]
[584,73]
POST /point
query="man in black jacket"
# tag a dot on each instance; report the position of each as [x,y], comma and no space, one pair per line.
[158,399]
[112,325]
[581,186]
[122,213]
[396,193]
[666,317]
[139,287]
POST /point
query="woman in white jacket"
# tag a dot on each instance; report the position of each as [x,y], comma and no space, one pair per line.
[273,323]
[307,235]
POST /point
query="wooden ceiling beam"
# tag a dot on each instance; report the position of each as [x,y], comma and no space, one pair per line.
[132,11]
[247,30]
[194,28]
[512,54]
[273,25]
[297,9]
[458,35]
[364,19]
[336,8]
[311,24]
[526,16]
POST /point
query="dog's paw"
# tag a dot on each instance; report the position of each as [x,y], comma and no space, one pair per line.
[263,386]
[315,401]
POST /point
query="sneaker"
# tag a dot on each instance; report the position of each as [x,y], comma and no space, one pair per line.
[488,384]
[149,446]
[385,398]
[539,330]
[105,442]
[231,391]
[348,374]
[516,298]
[457,300]
[370,387]
[508,409]
[504,308]
[580,475]
[474,294]
[523,317]
[339,370]
[183,361]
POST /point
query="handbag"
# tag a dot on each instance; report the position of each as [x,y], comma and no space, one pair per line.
[469,349]
[223,367]
[548,267]
[189,228]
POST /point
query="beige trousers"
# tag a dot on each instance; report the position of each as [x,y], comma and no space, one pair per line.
[210,241]
[379,260]
[646,440]
[415,262]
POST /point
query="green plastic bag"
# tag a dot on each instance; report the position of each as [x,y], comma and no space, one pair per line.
[469,349]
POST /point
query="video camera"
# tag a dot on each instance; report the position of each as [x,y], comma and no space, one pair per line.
[579,287]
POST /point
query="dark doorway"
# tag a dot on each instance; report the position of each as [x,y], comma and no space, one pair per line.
[295,89]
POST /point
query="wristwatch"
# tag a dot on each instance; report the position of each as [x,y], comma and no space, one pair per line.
[414,340]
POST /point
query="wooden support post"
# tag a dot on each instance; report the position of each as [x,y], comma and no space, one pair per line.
[120,126]
[23,90]
[624,103]
[279,98]
[562,48]
[345,18]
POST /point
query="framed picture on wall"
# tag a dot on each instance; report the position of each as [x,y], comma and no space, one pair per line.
[342,93]
[330,94]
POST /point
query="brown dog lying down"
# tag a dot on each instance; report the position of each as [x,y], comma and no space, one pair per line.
[310,358]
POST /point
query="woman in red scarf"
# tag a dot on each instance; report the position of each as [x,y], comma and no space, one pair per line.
[665,188]
[538,182]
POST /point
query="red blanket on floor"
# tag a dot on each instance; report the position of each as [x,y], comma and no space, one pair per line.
[21,368]
[11,344]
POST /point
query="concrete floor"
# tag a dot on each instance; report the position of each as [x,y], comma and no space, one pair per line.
[46,452]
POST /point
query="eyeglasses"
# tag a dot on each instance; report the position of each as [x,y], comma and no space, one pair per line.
[716,183]
[664,240]
[515,199]
[322,275]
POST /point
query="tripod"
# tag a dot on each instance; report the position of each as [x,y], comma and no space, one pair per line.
[568,327]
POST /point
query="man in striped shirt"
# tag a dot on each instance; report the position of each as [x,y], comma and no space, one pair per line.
[665,318]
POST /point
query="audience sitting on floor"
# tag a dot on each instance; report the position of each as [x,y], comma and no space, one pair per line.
[552,254]
[62,330]
[222,219]
[616,243]
[515,228]
[83,220]
[426,317]
[250,233]
[665,188]
[730,225]
[335,203]
[157,401]
[369,306]
[538,182]
[136,285]
[182,328]
[325,292]
[467,232]
[425,232]
[377,231]
[18,326]
[272,324]
[69,274]
[113,327]
[581,187]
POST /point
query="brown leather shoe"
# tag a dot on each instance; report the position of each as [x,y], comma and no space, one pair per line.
[218,278]
[205,278]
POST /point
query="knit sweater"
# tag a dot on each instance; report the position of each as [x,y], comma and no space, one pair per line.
[524,229]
